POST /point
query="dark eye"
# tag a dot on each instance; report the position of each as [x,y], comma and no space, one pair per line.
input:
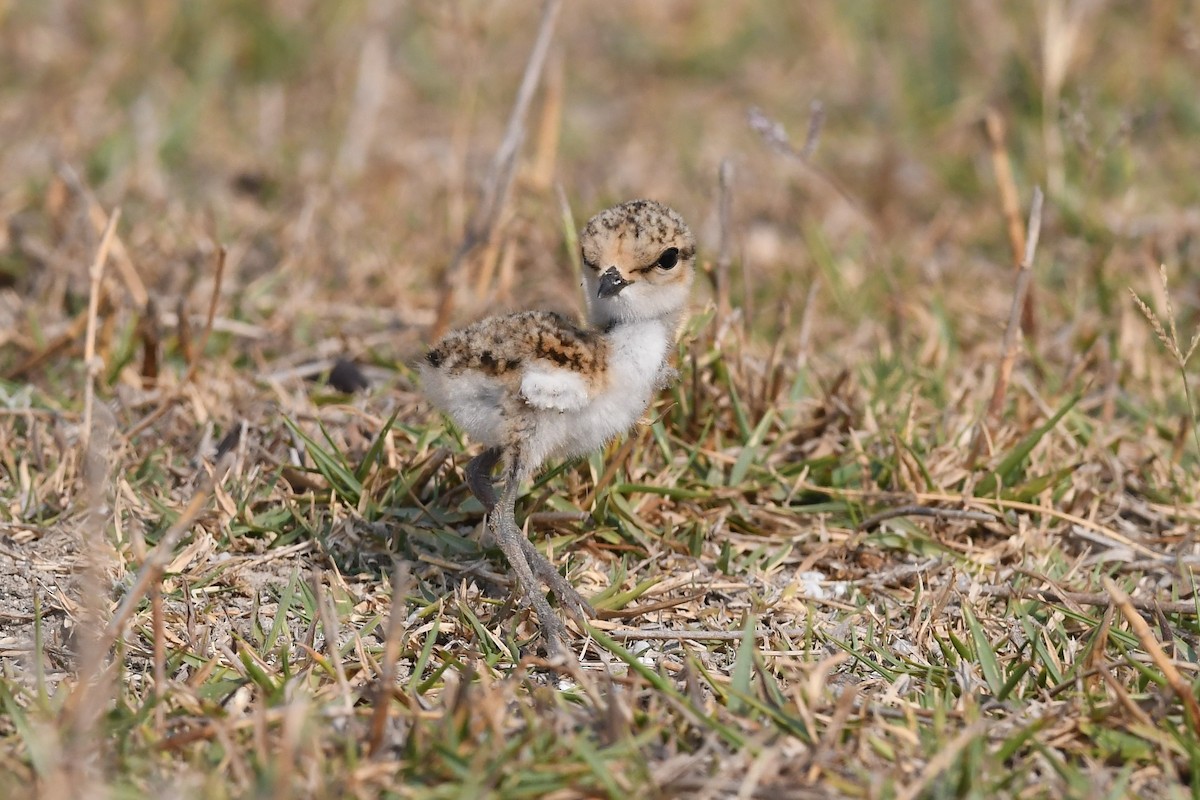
[669,258]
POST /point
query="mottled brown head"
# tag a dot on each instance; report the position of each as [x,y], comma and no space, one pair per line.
[639,260]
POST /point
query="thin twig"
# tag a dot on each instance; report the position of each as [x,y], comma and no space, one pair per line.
[160,657]
[61,342]
[688,636]
[702,636]
[775,136]
[89,343]
[816,121]
[100,221]
[1013,329]
[994,502]
[649,608]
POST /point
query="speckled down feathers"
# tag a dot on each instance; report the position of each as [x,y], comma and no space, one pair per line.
[499,345]
[644,222]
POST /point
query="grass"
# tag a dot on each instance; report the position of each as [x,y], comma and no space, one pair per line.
[853,552]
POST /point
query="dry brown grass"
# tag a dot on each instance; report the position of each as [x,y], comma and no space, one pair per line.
[824,567]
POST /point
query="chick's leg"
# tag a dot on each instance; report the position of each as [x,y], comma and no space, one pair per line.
[503,523]
[571,600]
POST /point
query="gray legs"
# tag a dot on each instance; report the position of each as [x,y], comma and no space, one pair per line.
[528,564]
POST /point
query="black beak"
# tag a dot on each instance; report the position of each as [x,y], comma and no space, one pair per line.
[611,283]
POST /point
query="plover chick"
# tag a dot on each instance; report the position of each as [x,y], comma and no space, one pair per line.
[532,386]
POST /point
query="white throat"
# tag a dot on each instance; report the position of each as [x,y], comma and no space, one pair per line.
[637,303]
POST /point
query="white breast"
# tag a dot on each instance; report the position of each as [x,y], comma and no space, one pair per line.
[637,352]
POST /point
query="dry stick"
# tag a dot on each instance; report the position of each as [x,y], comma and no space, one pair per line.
[816,121]
[496,187]
[1012,331]
[160,557]
[993,127]
[804,336]
[391,651]
[701,636]
[92,672]
[649,608]
[777,139]
[873,521]
[1150,644]
[129,276]
[832,736]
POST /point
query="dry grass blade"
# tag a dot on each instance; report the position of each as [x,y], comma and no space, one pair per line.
[1181,688]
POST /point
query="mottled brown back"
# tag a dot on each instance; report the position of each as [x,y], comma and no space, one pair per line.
[500,345]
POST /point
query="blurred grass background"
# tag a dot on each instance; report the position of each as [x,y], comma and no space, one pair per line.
[347,139]
[336,149]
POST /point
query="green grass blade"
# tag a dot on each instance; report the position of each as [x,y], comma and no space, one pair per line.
[1012,463]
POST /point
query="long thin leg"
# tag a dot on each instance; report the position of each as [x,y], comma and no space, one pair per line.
[478,473]
[571,600]
[502,521]
[479,477]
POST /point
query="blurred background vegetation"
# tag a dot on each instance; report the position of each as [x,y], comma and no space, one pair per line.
[337,150]
[345,141]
